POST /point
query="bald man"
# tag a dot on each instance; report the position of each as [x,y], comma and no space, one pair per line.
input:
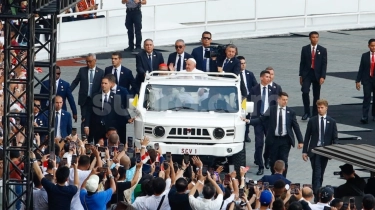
[307,195]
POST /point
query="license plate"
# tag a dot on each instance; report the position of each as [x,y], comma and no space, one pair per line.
[190,151]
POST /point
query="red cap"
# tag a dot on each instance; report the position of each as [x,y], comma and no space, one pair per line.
[163,65]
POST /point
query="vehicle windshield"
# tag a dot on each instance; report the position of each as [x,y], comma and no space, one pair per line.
[191,98]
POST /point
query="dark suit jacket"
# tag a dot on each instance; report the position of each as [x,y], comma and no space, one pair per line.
[233,66]
[277,87]
[291,125]
[63,90]
[197,54]
[82,79]
[142,63]
[65,123]
[271,179]
[172,59]
[256,97]
[126,78]
[312,134]
[113,115]
[124,95]
[320,62]
[364,69]
[250,81]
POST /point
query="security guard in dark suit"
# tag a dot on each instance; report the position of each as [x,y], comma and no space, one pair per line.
[133,23]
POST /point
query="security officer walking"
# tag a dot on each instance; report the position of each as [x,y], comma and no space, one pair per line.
[133,23]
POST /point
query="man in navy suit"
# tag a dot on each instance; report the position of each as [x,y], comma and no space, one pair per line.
[272,77]
[230,64]
[249,80]
[89,80]
[263,96]
[312,70]
[123,76]
[202,54]
[279,168]
[106,112]
[122,94]
[321,131]
[366,76]
[63,119]
[281,126]
[177,60]
[63,90]
[147,60]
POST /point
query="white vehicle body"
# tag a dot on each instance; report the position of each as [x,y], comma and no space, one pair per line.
[191,130]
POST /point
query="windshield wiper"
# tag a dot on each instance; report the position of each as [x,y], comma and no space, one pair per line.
[177,108]
[219,110]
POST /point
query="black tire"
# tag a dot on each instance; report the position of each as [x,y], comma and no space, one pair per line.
[239,160]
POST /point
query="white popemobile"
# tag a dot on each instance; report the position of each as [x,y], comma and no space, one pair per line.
[195,113]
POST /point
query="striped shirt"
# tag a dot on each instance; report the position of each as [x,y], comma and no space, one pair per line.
[131,4]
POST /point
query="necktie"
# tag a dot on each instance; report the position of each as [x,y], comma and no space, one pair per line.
[115,73]
[263,100]
[313,58]
[91,80]
[280,122]
[179,63]
[372,65]
[149,62]
[56,122]
[225,62]
[206,62]
[105,98]
[322,131]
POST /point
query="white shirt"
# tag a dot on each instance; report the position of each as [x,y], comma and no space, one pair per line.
[58,132]
[284,121]
[266,105]
[76,202]
[244,80]
[117,73]
[325,126]
[206,204]
[208,60]
[103,97]
[57,84]
[193,71]
[318,206]
[93,76]
[227,201]
[303,199]
[139,202]
[114,89]
[182,60]
[152,202]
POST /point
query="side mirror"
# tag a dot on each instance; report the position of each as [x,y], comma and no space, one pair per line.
[249,107]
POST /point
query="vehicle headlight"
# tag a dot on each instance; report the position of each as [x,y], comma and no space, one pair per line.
[218,133]
[159,131]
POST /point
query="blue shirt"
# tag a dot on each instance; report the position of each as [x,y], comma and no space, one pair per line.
[131,4]
[97,201]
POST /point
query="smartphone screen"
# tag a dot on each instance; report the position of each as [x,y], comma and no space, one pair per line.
[64,161]
[74,131]
[292,189]
[241,192]
[121,147]
[204,170]
[102,151]
[227,179]
[165,165]
[130,142]
[168,156]
[72,145]
[156,146]
[138,157]
[351,202]
[186,158]
[266,185]
[113,149]
[74,159]
[52,155]
[102,169]
[88,149]
[260,184]
[297,188]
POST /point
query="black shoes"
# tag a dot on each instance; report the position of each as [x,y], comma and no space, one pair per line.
[260,172]
[247,139]
[364,120]
[305,116]
[129,49]
[267,164]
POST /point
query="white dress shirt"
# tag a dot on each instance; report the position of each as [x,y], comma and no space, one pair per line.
[88,76]
[58,132]
[114,89]
[182,61]
[207,204]
[208,59]
[284,121]
[57,84]
[245,80]
[103,97]
[318,206]
[266,104]
[325,126]
[117,73]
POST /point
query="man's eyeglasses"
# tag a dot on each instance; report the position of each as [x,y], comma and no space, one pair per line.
[178,46]
[37,105]
[206,38]
[243,63]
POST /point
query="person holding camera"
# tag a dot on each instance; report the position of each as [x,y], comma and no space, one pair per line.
[203,54]
[354,186]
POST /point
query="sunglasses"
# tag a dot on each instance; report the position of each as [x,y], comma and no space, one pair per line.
[243,63]
[37,105]
[58,73]
[178,46]
[206,38]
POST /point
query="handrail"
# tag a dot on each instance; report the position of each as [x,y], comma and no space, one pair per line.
[174,74]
